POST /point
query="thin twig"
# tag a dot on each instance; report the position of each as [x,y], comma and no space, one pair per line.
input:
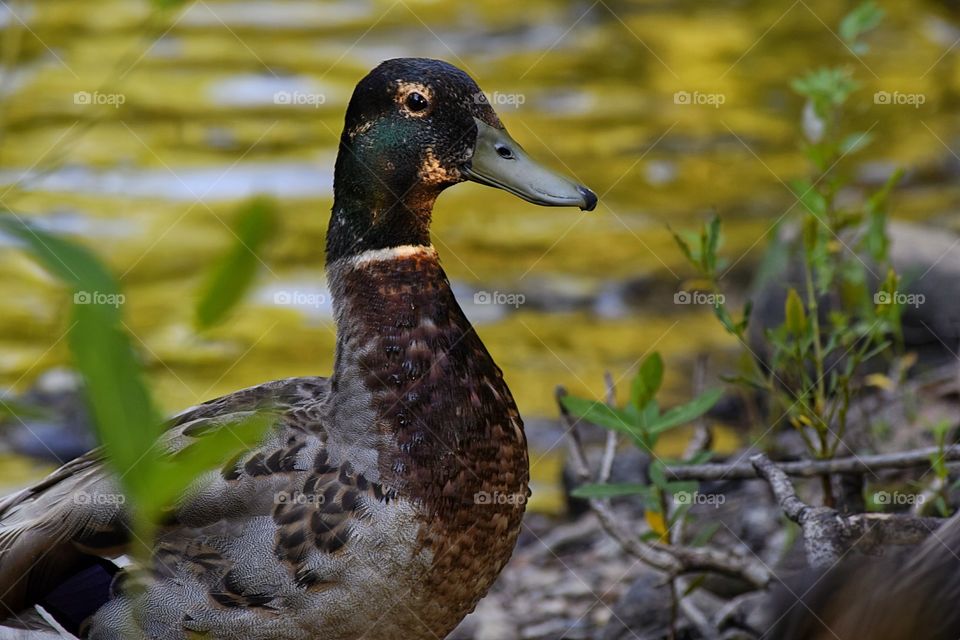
[671,559]
[610,447]
[811,468]
[827,534]
[702,438]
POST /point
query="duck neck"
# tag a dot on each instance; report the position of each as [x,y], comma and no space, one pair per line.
[376,210]
[412,381]
[395,312]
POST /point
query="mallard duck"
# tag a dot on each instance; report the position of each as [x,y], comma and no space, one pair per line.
[385,499]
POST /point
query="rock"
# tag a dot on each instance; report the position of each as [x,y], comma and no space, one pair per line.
[643,613]
[55,424]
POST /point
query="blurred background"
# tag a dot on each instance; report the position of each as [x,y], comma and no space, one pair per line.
[139,128]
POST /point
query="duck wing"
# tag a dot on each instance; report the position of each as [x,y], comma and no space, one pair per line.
[69,522]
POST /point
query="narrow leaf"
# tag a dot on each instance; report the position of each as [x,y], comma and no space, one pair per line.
[599,414]
[687,412]
[234,273]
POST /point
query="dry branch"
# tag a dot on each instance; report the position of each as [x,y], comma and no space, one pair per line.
[866,464]
[671,559]
[828,534]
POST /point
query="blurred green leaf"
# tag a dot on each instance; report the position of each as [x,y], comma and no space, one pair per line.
[826,88]
[123,411]
[853,142]
[234,273]
[796,317]
[810,198]
[683,244]
[600,414]
[686,412]
[862,19]
[174,474]
[647,381]
[712,245]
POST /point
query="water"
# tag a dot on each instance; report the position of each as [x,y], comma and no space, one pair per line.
[179,128]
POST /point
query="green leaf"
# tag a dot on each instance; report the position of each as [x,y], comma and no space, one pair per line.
[694,585]
[657,476]
[686,412]
[174,474]
[684,246]
[612,490]
[796,317]
[647,381]
[600,414]
[854,142]
[713,244]
[234,272]
[810,198]
[123,411]
[862,19]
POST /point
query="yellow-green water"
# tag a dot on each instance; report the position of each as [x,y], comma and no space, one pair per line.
[152,184]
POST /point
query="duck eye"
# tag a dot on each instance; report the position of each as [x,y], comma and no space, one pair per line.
[416,102]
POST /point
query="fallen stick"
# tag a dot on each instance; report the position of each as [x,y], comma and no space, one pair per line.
[810,468]
[671,559]
[828,534]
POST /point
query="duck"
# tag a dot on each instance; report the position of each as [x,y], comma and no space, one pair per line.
[385,499]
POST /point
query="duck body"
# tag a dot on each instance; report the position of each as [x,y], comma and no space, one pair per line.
[371,515]
[384,501]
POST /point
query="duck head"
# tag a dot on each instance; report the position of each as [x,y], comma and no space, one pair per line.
[414,127]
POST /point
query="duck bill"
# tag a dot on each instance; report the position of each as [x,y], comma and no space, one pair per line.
[498,161]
